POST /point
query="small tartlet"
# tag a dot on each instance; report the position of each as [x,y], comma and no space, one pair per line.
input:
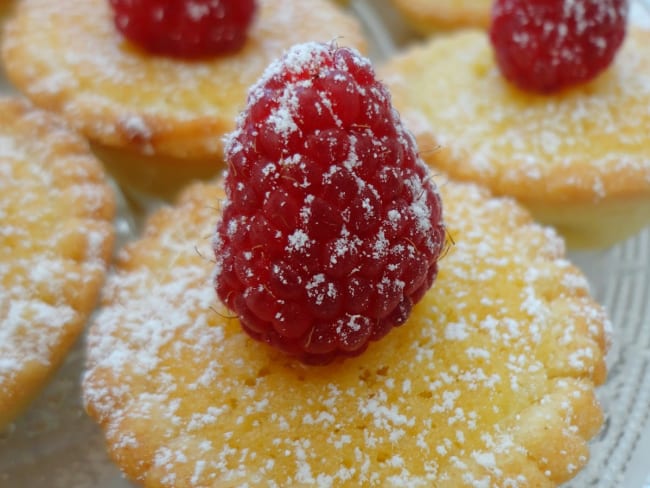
[155,120]
[578,159]
[490,382]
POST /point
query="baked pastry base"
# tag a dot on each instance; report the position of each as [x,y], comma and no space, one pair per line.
[599,225]
[490,380]
[146,179]
[431,16]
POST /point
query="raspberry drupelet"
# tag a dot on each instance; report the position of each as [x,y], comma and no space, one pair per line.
[548,45]
[186,29]
[332,226]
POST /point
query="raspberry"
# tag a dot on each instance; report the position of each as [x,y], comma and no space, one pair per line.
[184,28]
[547,45]
[332,226]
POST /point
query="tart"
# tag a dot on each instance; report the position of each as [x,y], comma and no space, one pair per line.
[56,210]
[490,382]
[155,120]
[577,159]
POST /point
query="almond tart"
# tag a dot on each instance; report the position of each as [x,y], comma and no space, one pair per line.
[578,159]
[156,121]
[56,211]
[490,382]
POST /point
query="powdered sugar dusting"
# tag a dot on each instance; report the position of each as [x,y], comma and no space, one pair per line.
[587,144]
[55,238]
[506,337]
[71,57]
[574,13]
[197,10]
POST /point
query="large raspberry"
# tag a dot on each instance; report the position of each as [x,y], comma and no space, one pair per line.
[185,28]
[547,45]
[332,225]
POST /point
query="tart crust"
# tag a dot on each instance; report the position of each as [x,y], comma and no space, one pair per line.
[430,16]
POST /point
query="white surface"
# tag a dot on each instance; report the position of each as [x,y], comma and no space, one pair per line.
[56,445]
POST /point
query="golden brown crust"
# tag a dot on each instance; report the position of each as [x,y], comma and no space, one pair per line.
[584,147]
[56,211]
[490,380]
[427,16]
[142,177]
[5,8]
[68,57]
